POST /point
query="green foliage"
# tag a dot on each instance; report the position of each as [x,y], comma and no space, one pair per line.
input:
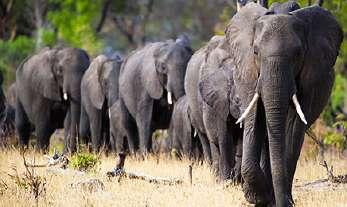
[337,137]
[337,99]
[12,54]
[75,23]
[336,140]
[338,96]
[84,161]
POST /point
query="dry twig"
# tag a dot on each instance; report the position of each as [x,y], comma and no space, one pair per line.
[120,173]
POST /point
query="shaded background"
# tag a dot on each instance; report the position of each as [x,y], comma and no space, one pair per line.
[106,26]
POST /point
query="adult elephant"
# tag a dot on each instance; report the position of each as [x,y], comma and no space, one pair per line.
[215,106]
[99,90]
[181,132]
[151,79]
[284,75]
[48,86]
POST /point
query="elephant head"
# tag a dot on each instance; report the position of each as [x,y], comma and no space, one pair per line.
[284,62]
[103,80]
[165,67]
[61,72]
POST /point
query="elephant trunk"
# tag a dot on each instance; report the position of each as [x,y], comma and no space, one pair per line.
[175,85]
[276,88]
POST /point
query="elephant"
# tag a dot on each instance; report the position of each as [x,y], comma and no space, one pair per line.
[99,90]
[215,107]
[182,135]
[147,77]
[284,76]
[48,88]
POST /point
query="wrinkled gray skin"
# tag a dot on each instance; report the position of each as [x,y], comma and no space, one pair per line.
[11,95]
[181,131]
[41,81]
[99,90]
[118,133]
[214,106]
[283,8]
[278,56]
[146,77]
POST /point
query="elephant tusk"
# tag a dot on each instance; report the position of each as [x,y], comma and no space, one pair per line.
[195,132]
[109,113]
[169,98]
[298,109]
[65,96]
[248,109]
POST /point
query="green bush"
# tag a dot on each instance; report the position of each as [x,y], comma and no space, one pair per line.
[84,161]
[12,54]
[337,137]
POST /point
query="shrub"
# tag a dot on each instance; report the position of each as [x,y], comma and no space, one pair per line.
[12,54]
[84,161]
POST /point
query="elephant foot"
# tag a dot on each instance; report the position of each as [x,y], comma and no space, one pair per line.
[257,198]
[236,176]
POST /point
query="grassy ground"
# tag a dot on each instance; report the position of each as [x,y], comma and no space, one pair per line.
[203,192]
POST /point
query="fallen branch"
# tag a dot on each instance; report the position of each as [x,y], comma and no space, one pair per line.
[52,161]
[121,173]
[331,177]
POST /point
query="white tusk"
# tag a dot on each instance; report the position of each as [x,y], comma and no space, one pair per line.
[195,132]
[169,98]
[298,109]
[248,109]
[109,113]
[65,96]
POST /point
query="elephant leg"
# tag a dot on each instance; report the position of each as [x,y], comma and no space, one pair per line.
[95,128]
[113,137]
[75,116]
[67,124]
[266,166]
[294,139]
[44,130]
[143,121]
[217,133]
[84,129]
[127,128]
[206,149]
[255,185]
[236,172]
[215,158]
[23,125]
[106,131]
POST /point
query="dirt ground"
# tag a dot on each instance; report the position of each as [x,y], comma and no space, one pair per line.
[204,191]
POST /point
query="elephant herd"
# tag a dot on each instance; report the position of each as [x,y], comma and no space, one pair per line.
[243,101]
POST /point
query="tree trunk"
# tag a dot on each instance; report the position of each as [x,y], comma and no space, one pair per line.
[40,9]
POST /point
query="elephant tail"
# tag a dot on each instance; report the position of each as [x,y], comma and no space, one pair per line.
[84,125]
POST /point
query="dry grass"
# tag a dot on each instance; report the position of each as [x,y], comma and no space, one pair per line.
[203,192]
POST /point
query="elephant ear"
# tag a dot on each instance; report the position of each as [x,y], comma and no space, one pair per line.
[240,34]
[324,37]
[43,76]
[149,73]
[94,88]
[216,77]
